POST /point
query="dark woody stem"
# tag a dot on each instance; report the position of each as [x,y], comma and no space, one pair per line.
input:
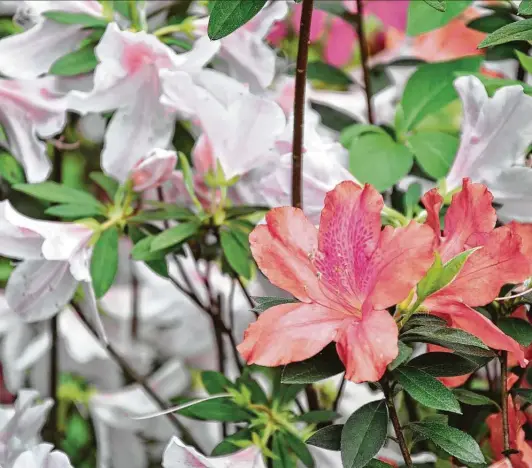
[504,402]
[364,59]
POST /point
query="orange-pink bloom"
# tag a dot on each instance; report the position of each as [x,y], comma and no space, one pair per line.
[346,274]
[470,222]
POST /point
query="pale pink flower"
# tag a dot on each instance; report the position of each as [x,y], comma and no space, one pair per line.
[153,170]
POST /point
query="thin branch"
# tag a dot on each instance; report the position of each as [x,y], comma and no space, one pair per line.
[134,305]
[53,421]
[299,102]
[504,402]
[250,300]
[339,394]
[364,59]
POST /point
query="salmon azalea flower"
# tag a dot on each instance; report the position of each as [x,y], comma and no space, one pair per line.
[345,275]
[469,223]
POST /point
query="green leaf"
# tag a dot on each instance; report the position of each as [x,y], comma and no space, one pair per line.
[188,179]
[109,185]
[332,118]
[364,434]
[351,133]
[440,275]
[431,88]
[518,31]
[227,447]
[471,398]
[422,18]
[74,211]
[229,15]
[525,61]
[453,441]
[493,84]
[327,74]
[299,448]
[178,213]
[411,198]
[318,416]
[267,302]
[437,4]
[524,393]
[239,211]
[327,438]
[525,7]
[378,150]
[441,364]
[174,236]
[452,338]
[425,321]
[219,409]
[376,463]
[54,192]
[87,21]
[80,61]
[520,330]
[425,389]
[490,23]
[434,151]
[236,252]
[104,261]
[215,382]
[10,169]
[323,365]
[288,393]
[281,451]
[155,261]
[404,354]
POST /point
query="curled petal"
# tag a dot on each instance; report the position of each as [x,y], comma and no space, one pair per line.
[155,169]
[433,201]
[367,346]
[290,333]
[15,241]
[340,43]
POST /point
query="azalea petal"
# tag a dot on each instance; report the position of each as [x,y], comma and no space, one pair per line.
[524,231]
[290,333]
[499,262]
[496,132]
[317,24]
[13,344]
[90,308]
[367,346]
[261,23]
[35,350]
[17,242]
[225,89]
[282,249]
[340,43]
[468,319]
[38,289]
[433,201]
[155,169]
[470,212]
[178,455]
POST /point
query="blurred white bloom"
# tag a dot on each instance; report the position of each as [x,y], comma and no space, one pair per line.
[42,456]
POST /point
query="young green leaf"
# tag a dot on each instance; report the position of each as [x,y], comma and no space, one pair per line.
[318,416]
[412,197]
[425,389]
[227,447]
[323,365]
[328,438]
[327,74]
[229,15]
[219,409]
[299,448]
[104,261]
[155,261]
[520,330]
[453,441]
[364,434]
[80,61]
[188,179]
[333,118]
[236,252]
[443,364]
[215,382]
[437,4]
[74,211]
[471,398]
[393,159]
[86,21]
[54,192]
[173,212]
[525,7]
[525,61]
[423,18]
[174,236]
[267,302]
[518,31]
[108,184]
[284,458]
[351,133]
[434,151]
[10,169]
[404,354]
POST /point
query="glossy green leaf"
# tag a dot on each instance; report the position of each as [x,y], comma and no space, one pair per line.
[174,236]
[333,118]
[318,416]
[434,151]
[423,17]
[155,261]
[520,330]
[441,364]
[364,434]
[171,212]
[439,5]
[328,74]
[525,61]
[86,21]
[404,354]
[351,133]
[299,448]
[227,447]
[284,458]
[219,409]
[327,438]
[267,302]
[518,31]
[73,211]
[471,398]
[378,150]
[54,192]
[524,393]
[425,389]
[229,15]
[80,61]
[323,365]
[431,88]
[490,23]
[106,183]
[104,261]
[453,441]
[10,169]
[236,252]
[525,7]
[215,382]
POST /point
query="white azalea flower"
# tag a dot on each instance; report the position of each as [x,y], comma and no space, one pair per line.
[42,456]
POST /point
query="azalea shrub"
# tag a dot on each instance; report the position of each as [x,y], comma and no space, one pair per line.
[265,233]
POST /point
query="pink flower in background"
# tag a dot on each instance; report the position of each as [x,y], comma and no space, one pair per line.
[345,274]
[153,170]
[340,43]
[392,14]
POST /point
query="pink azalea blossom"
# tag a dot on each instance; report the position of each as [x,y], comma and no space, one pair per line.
[56,257]
[345,275]
[470,222]
[31,53]
[153,170]
[127,80]
[391,14]
[31,109]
